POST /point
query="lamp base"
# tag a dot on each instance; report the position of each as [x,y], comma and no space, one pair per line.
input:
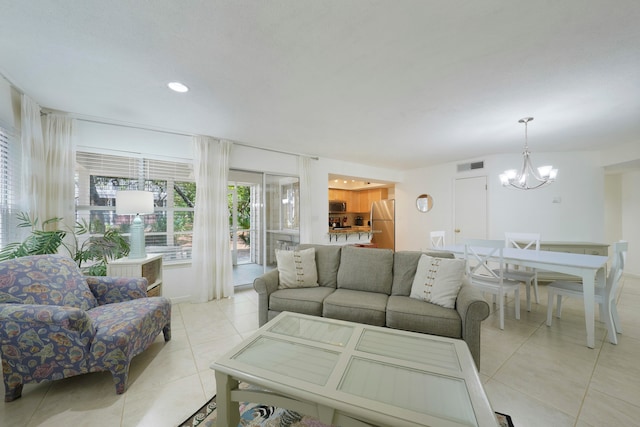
[136,241]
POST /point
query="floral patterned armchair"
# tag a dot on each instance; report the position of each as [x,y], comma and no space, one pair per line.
[56,323]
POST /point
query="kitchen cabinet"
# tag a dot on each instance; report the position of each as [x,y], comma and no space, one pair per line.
[343,196]
[367,197]
[149,268]
[358,201]
[335,194]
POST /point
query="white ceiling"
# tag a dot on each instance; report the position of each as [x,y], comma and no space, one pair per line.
[396,83]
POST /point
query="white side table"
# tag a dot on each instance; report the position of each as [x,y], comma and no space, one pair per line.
[149,268]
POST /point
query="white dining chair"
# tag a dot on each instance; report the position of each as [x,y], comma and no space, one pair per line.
[605,296]
[480,256]
[523,241]
[437,239]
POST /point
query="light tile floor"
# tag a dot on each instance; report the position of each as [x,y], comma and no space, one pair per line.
[541,376]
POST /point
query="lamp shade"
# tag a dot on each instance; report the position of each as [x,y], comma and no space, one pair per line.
[132,202]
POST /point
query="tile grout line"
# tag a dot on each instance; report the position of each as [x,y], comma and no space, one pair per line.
[586,391]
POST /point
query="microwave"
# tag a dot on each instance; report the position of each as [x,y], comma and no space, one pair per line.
[337,206]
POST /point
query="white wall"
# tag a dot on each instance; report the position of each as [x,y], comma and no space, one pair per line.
[613,207]
[630,208]
[579,216]
[9,105]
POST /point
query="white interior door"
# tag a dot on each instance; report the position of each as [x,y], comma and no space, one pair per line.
[470,211]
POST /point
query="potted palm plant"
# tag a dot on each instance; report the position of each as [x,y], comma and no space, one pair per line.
[90,253]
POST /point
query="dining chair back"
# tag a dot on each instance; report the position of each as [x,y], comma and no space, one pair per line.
[605,296]
[437,239]
[481,256]
[523,241]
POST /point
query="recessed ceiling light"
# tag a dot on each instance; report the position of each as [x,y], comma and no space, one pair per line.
[178,87]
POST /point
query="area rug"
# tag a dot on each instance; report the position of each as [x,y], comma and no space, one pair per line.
[256,415]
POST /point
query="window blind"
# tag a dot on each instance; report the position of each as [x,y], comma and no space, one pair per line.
[10,161]
[169,229]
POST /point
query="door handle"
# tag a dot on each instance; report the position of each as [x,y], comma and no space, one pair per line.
[457,230]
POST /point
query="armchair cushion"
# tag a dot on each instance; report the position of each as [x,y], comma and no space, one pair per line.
[108,290]
[45,280]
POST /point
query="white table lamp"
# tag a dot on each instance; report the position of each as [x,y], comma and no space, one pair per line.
[135,202]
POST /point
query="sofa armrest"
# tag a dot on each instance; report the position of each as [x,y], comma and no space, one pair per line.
[265,285]
[473,309]
[43,323]
[111,289]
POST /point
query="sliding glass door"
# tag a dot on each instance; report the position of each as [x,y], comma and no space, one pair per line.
[263,216]
[282,214]
[245,241]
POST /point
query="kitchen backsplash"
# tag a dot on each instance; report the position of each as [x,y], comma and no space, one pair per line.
[348,220]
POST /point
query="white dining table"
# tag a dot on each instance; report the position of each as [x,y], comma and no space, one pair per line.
[591,268]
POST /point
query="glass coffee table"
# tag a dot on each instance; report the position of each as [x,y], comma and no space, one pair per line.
[351,374]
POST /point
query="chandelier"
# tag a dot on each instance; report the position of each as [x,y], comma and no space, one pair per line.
[528,178]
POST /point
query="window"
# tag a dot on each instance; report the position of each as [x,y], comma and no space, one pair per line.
[169,229]
[9,186]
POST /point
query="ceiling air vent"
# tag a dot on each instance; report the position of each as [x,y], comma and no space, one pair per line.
[471,166]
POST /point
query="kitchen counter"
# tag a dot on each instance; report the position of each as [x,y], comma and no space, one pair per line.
[347,232]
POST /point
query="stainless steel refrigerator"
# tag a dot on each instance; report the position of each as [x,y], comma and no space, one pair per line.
[383,224]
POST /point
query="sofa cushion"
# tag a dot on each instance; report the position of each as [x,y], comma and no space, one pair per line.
[405,264]
[327,263]
[366,269]
[301,300]
[438,280]
[419,316]
[297,269]
[356,306]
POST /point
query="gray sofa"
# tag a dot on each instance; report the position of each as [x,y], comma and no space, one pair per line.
[372,286]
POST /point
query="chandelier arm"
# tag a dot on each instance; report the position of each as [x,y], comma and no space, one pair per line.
[522,180]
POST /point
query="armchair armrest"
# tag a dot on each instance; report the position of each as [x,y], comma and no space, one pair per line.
[265,285]
[47,322]
[111,289]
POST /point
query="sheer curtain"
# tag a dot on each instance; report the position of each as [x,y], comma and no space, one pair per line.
[211,253]
[34,159]
[48,157]
[305,199]
[60,167]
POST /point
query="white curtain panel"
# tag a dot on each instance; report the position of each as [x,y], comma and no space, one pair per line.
[34,159]
[211,263]
[60,166]
[305,199]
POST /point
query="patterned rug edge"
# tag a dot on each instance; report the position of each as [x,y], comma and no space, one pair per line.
[208,408]
[201,414]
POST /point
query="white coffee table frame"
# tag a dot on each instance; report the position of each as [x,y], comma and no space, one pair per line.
[351,374]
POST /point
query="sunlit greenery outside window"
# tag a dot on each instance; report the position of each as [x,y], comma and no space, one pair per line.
[243,212]
[169,230]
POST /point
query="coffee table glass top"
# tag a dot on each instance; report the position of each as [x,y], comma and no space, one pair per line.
[416,390]
[379,374]
[289,359]
[419,349]
[313,330]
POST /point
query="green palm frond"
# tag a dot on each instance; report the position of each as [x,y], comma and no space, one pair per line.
[44,240]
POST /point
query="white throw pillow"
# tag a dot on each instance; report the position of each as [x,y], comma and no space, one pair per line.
[297,269]
[438,280]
